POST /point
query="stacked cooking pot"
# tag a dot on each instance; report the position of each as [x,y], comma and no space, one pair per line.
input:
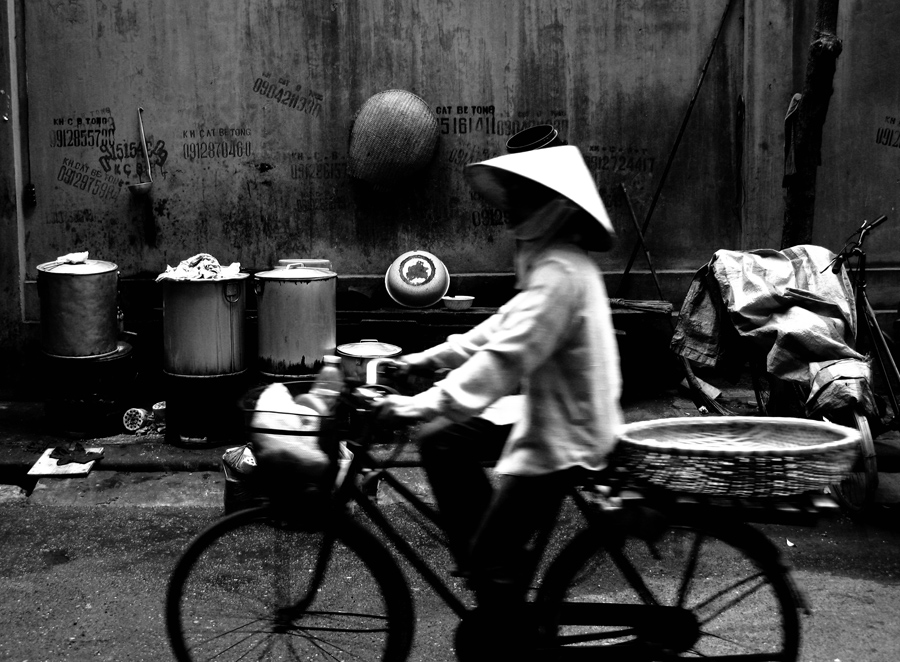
[297,318]
[90,366]
[204,357]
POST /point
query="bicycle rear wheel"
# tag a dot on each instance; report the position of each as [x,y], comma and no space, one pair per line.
[722,593]
[255,587]
[856,491]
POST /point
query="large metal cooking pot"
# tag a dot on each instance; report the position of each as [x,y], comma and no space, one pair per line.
[355,356]
[78,308]
[297,320]
[203,326]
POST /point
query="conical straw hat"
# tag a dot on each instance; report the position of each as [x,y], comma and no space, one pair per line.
[561,169]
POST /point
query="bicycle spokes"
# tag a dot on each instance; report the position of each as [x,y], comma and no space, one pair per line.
[716,600]
[267,592]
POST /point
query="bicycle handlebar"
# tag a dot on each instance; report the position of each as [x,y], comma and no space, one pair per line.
[878,221]
[856,248]
[384,377]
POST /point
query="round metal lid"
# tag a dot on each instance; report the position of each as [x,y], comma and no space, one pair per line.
[369,349]
[298,262]
[86,267]
[297,273]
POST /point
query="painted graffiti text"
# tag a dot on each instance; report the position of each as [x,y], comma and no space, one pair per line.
[464,110]
[81,137]
[84,178]
[280,91]
[488,217]
[312,170]
[887,137]
[318,201]
[619,159]
[217,150]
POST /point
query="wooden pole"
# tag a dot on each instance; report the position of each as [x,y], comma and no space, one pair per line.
[803,128]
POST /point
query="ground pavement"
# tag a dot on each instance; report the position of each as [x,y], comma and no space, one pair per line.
[146,469]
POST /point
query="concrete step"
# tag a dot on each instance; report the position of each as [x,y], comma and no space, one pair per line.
[143,488]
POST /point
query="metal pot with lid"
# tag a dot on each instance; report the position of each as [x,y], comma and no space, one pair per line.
[78,308]
[355,356]
[297,319]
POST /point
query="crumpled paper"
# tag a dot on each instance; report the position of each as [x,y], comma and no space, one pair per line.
[201,266]
[73,258]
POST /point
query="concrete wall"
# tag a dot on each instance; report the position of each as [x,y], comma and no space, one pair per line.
[248,108]
[247,112]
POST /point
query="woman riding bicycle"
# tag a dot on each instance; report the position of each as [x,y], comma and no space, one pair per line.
[554,341]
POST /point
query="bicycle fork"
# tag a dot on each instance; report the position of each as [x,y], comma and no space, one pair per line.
[883,351]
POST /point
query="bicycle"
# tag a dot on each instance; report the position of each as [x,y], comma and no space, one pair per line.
[856,491]
[644,577]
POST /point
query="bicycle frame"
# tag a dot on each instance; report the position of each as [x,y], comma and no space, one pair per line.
[640,576]
[400,544]
[882,351]
[596,516]
[368,468]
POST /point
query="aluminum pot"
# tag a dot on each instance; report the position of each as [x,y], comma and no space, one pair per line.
[355,356]
[78,308]
[297,320]
[203,326]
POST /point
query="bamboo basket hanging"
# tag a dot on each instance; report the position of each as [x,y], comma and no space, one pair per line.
[393,138]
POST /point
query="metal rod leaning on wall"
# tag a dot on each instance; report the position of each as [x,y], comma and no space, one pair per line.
[642,244]
[675,145]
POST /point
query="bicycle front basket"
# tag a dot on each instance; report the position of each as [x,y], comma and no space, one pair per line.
[740,456]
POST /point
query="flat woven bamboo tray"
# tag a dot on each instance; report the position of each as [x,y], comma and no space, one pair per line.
[740,456]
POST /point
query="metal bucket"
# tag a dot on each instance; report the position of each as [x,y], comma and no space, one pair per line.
[297,320]
[203,326]
[78,308]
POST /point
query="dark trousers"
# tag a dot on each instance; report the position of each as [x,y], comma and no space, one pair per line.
[490,529]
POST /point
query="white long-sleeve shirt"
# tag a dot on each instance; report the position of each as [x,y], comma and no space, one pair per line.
[556,340]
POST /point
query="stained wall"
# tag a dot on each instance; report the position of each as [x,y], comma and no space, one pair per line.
[247,109]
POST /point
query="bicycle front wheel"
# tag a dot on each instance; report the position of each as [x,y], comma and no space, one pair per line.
[710,593]
[255,587]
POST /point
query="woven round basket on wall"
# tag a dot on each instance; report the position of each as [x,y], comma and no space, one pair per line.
[393,138]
